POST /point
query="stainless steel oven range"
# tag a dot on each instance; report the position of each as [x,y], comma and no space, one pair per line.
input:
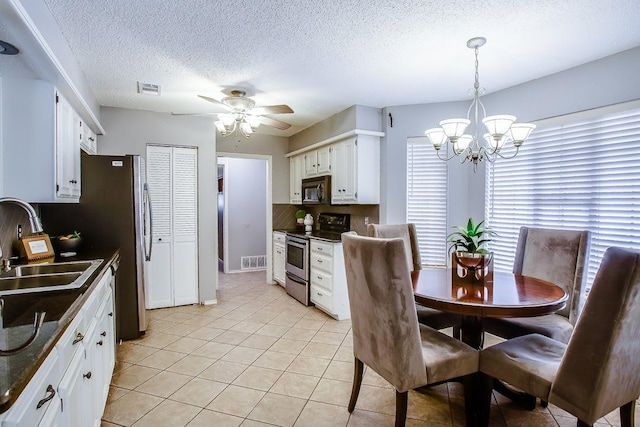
[330,227]
[297,267]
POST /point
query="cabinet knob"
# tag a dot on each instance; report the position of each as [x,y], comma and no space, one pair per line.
[99,342]
[319,261]
[319,294]
[111,314]
[87,375]
[50,393]
[78,338]
[319,278]
[104,333]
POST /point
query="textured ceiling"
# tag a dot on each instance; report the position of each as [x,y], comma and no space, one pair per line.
[322,56]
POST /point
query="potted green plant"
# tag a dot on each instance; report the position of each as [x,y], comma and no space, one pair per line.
[300,214]
[468,251]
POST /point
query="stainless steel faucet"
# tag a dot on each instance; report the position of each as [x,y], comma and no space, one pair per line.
[36,225]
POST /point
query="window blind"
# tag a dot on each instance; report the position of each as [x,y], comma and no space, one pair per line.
[583,174]
[427,200]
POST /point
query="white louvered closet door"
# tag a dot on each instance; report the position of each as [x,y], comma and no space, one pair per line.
[172,179]
[185,242]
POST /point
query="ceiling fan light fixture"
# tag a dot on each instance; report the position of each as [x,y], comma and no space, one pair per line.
[246,128]
[254,122]
[220,127]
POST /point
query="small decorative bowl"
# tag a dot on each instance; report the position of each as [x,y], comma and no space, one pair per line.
[67,245]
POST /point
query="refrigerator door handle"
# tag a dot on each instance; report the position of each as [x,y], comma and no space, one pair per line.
[148,207]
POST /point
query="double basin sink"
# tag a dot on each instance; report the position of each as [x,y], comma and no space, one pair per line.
[24,279]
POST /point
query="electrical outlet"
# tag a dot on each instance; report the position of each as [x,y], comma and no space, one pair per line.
[366,220]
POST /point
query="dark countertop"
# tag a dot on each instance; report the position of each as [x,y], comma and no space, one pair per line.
[327,236]
[60,306]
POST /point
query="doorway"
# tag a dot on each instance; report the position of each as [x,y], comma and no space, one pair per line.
[244,213]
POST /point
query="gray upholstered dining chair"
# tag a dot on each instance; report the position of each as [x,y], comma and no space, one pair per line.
[386,334]
[557,256]
[599,370]
[407,232]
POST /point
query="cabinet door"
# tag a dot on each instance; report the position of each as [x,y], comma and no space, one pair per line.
[323,157]
[310,164]
[295,179]
[67,150]
[279,263]
[185,235]
[77,409]
[344,185]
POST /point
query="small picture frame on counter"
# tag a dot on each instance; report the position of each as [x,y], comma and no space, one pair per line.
[37,246]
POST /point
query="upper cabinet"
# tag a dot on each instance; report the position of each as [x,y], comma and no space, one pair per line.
[317,162]
[40,142]
[353,161]
[68,138]
[296,164]
[356,171]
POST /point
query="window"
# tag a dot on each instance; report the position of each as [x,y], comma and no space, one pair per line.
[583,174]
[427,200]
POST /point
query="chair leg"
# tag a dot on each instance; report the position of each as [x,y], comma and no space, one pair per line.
[485,386]
[357,382]
[401,408]
[627,414]
[456,332]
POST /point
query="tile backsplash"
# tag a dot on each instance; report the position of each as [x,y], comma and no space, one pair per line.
[284,215]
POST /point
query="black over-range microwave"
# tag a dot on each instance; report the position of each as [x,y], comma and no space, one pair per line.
[316,191]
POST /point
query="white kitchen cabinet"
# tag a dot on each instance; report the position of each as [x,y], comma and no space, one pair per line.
[38,396]
[70,387]
[328,279]
[296,165]
[173,270]
[355,177]
[279,258]
[317,162]
[88,140]
[68,137]
[40,142]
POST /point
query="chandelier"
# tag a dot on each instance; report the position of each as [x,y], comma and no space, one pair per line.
[243,123]
[499,128]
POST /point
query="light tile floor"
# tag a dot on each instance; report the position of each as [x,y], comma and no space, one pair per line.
[260,358]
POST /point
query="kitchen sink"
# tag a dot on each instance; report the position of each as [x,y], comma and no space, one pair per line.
[46,277]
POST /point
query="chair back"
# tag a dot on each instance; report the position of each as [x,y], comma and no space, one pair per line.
[600,370]
[386,335]
[407,232]
[559,257]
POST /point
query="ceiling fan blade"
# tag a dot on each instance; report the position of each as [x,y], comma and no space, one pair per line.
[272,109]
[274,123]
[194,114]
[215,101]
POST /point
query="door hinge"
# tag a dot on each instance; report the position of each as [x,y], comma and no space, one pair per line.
[57,99]
[57,188]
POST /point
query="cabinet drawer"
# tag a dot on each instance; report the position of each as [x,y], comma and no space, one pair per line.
[70,341]
[319,261]
[322,297]
[322,278]
[321,248]
[37,396]
[279,237]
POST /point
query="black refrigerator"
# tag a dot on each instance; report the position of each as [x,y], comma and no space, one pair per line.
[114,211]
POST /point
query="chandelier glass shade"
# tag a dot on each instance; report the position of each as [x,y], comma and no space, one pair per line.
[244,124]
[499,129]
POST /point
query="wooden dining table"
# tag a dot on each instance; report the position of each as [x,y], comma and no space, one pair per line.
[506,295]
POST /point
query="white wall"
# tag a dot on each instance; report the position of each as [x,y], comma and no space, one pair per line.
[603,82]
[129,132]
[246,197]
[274,146]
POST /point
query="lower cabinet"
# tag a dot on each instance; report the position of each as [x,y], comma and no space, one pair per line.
[279,258]
[328,279]
[70,388]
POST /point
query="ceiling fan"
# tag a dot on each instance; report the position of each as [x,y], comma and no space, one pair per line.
[243,116]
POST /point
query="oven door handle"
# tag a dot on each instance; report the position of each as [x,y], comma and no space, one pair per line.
[295,278]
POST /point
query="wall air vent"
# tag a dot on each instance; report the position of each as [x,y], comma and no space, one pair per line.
[148,89]
[258,262]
